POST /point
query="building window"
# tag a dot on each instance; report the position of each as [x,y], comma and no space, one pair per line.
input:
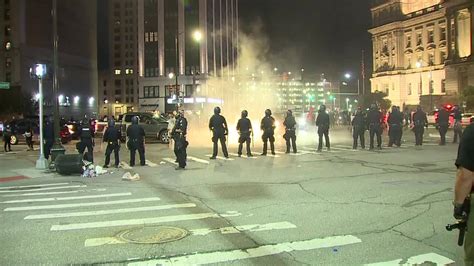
[105,83]
[409,88]
[118,91]
[150,91]
[419,87]
[431,59]
[118,83]
[408,41]
[419,40]
[442,56]
[117,71]
[442,34]
[430,36]
[7,30]
[443,86]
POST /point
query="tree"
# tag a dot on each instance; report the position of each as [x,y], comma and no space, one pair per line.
[377,97]
[467,97]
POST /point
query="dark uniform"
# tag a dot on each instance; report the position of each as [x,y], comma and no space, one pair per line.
[465,160]
[136,139]
[112,138]
[267,125]
[7,137]
[420,121]
[87,139]
[290,131]
[375,121]
[244,127]
[359,126]
[48,135]
[395,121]
[218,126]
[443,125]
[457,124]
[322,122]
[179,136]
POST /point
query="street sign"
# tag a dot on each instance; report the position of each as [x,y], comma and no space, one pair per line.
[4,85]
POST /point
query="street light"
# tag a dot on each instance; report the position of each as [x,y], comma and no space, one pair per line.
[347,103]
[171,75]
[347,75]
[39,71]
[197,35]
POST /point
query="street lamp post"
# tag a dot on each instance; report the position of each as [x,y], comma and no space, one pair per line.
[347,103]
[39,71]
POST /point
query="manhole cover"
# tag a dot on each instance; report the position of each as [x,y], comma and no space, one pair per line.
[153,234]
[424,164]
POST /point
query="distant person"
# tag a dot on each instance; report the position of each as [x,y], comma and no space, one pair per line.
[48,135]
[179,133]
[171,123]
[443,124]
[86,133]
[112,138]
[420,121]
[136,141]
[290,131]
[457,128]
[218,126]
[394,121]
[375,121]
[7,137]
[244,128]
[267,125]
[358,129]
[29,138]
[322,122]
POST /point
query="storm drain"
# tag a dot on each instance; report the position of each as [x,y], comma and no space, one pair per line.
[424,164]
[152,235]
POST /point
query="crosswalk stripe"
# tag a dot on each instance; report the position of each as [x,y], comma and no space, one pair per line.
[69,198]
[72,205]
[171,161]
[56,192]
[35,186]
[241,254]
[416,260]
[104,212]
[141,221]
[93,242]
[243,156]
[198,160]
[125,166]
[343,149]
[41,189]
[221,158]
[150,163]
[279,152]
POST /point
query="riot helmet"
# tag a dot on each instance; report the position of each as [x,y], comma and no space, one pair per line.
[289,113]
[111,122]
[135,120]
[373,106]
[217,110]
[268,112]
[418,108]
[322,108]
[245,113]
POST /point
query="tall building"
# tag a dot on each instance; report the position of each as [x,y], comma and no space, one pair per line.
[26,38]
[156,44]
[422,50]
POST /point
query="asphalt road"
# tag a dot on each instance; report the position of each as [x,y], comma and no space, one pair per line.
[342,207]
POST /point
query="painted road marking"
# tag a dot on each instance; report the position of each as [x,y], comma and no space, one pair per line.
[104,212]
[150,163]
[35,186]
[125,166]
[56,192]
[221,158]
[198,160]
[417,260]
[72,205]
[243,156]
[69,198]
[93,242]
[41,189]
[241,254]
[343,149]
[171,161]
[141,221]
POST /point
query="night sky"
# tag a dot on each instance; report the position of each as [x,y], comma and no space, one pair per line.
[323,36]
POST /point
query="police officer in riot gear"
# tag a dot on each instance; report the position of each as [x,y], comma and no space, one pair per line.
[244,127]
[290,131]
[267,125]
[358,129]
[48,135]
[7,137]
[443,124]
[375,121]
[395,121]
[178,134]
[457,128]
[136,141]
[87,138]
[112,138]
[322,122]
[218,126]
[420,121]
